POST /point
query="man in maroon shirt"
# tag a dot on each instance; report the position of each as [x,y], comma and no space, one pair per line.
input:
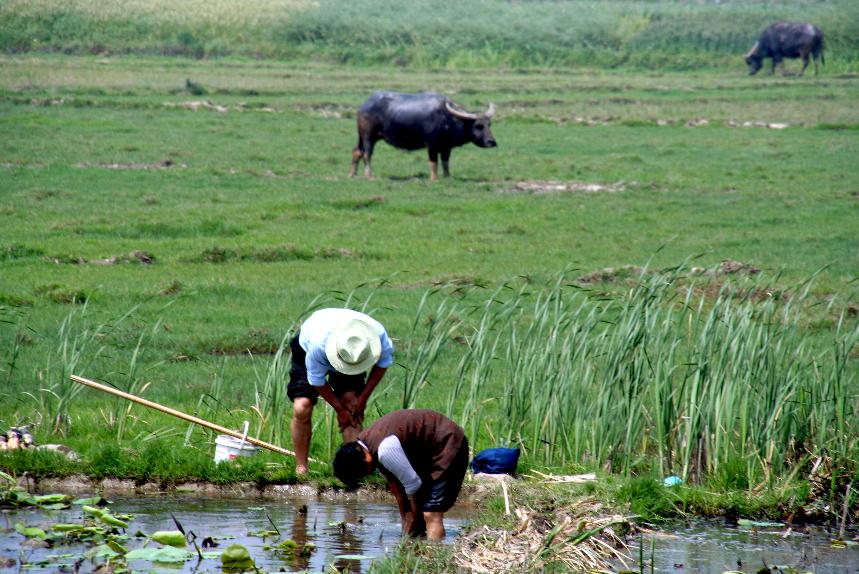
[422,454]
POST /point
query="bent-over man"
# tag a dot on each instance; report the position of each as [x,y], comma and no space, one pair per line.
[331,355]
[423,455]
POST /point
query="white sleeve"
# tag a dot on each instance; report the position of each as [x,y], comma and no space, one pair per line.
[392,456]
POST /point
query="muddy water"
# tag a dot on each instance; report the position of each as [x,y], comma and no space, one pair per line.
[710,548]
[368,529]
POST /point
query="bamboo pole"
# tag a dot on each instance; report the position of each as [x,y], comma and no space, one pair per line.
[180,414]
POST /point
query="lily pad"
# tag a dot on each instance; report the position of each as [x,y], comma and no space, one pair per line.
[170,538]
[92,501]
[31,531]
[50,498]
[102,551]
[93,511]
[161,554]
[235,555]
[113,521]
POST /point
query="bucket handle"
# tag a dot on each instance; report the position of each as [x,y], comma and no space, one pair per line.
[244,435]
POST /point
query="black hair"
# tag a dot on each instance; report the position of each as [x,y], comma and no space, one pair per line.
[349,464]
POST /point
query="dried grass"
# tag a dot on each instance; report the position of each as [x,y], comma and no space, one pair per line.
[577,538]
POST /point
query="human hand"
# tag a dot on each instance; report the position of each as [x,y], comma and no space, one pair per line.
[345,419]
[414,524]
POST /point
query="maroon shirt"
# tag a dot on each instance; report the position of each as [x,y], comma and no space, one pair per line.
[429,439]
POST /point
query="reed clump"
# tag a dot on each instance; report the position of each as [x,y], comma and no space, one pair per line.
[667,376]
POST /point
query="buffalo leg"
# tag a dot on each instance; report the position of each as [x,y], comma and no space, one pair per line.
[357,154]
[804,63]
[445,162]
[433,163]
[364,150]
[368,145]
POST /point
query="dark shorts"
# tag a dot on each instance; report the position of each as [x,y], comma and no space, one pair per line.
[443,492]
[299,387]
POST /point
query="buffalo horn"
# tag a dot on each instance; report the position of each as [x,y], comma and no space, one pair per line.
[752,51]
[459,113]
[490,112]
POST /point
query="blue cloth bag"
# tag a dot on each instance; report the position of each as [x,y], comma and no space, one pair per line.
[496,461]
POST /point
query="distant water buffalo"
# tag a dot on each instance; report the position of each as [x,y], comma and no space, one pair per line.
[417,121]
[786,40]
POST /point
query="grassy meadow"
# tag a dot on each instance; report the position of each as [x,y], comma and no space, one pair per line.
[167,222]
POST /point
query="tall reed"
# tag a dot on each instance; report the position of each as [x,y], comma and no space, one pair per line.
[78,344]
[679,375]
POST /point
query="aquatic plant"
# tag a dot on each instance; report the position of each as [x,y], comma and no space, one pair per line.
[692,373]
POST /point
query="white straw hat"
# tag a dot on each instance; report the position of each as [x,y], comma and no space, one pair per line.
[353,347]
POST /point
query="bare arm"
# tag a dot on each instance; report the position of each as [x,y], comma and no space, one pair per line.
[344,417]
[376,374]
[410,510]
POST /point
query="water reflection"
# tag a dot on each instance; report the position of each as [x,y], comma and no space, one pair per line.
[712,548]
[336,529]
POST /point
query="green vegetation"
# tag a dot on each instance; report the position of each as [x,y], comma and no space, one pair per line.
[672,34]
[171,252]
[654,274]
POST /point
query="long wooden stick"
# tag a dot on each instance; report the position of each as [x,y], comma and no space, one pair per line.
[179,414]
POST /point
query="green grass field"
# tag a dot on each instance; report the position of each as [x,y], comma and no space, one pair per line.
[229,175]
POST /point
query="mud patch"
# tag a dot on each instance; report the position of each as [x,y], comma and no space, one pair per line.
[210,106]
[47,101]
[612,275]
[457,283]
[17,251]
[165,164]
[142,257]
[277,254]
[768,125]
[547,187]
[727,267]
[173,289]
[326,110]
[696,123]
[56,293]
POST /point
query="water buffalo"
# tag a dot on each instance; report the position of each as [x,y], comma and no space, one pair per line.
[786,40]
[415,121]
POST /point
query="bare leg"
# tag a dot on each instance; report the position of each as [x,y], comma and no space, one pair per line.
[435,525]
[302,428]
[804,63]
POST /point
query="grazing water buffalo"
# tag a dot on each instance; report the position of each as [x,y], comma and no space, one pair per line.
[416,121]
[786,40]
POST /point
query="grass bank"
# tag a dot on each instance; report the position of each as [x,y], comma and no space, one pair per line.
[671,257]
[667,34]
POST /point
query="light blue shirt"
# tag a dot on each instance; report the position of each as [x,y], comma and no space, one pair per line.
[314,335]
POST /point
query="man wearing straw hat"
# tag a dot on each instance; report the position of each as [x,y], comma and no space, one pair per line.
[331,355]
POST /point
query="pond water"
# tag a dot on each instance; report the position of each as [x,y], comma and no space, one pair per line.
[356,528]
[712,548]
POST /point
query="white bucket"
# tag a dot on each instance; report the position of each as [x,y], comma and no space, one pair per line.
[229,448]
